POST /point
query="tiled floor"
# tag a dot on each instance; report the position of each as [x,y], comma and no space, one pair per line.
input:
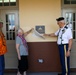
[37,73]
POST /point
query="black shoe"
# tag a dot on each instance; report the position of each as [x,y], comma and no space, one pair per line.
[59,74]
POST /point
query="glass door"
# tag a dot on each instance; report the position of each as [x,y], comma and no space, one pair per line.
[70,18]
[10,26]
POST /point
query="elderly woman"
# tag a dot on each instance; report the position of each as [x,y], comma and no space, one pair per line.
[22,51]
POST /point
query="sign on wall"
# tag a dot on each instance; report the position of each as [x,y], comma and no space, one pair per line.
[40,29]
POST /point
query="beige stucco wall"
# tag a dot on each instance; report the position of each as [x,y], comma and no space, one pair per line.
[39,12]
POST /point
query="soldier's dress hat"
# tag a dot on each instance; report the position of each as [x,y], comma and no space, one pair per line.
[60,19]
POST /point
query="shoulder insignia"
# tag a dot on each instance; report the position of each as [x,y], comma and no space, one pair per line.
[66,27]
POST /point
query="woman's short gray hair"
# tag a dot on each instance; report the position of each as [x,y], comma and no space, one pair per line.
[20,30]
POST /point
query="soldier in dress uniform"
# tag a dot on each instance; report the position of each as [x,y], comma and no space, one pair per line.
[3,50]
[64,42]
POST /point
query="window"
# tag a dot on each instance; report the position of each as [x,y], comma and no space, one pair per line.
[69,1]
[7,2]
[71,21]
[10,26]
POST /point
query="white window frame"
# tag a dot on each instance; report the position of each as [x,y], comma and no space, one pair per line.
[11,7]
[67,5]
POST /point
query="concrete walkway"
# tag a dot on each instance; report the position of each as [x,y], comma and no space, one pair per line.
[38,73]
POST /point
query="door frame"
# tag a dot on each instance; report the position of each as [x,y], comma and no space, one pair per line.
[73,51]
[11,54]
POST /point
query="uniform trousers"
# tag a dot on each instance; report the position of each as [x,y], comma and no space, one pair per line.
[2,65]
[65,61]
